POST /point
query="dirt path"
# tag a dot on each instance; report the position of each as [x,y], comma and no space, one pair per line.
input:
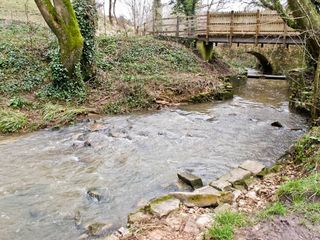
[285,228]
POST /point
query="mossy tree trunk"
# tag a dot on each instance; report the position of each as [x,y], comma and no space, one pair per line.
[316,94]
[62,20]
[157,14]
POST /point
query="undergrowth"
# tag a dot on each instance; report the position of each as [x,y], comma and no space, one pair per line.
[225,224]
[11,121]
[133,72]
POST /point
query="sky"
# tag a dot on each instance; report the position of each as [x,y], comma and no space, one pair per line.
[123,10]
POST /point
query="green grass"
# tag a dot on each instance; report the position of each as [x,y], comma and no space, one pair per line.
[276,208]
[11,121]
[225,224]
[307,150]
[300,189]
[62,114]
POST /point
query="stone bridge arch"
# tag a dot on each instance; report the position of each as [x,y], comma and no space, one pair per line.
[264,64]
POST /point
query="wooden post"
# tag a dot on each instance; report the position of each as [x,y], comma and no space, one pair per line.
[144,29]
[208,26]
[285,33]
[258,22]
[178,27]
[231,27]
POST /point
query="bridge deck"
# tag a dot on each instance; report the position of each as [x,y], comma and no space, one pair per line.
[265,27]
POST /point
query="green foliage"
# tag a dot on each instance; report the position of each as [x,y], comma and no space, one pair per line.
[143,56]
[276,208]
[63,86]
[18,102]
[11,121]
[225,223]
[54,112]
[307,149]
[18,74]
[300,189]
[87,17]
[135,97]
[187,7]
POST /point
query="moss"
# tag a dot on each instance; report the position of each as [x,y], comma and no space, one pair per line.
[160,199]
[205,50]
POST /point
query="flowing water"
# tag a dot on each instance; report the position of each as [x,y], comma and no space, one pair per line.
[45,176]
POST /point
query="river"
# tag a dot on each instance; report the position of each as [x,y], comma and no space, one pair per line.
[45,176]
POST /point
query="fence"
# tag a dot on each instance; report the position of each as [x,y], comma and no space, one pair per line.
[259,23]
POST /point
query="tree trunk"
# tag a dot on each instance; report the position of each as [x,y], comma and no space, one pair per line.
[114,11]
[110,12]
[62,20]
[316,93]
[307,20]
[87,16]
[157,14]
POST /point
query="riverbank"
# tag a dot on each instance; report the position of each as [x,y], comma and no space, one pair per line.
[134,74]
[280,202]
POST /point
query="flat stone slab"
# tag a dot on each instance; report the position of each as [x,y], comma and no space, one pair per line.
[236,175]
[163,206]
[252,166]
[190,179]
[198,199]
[207,189]
[221,185]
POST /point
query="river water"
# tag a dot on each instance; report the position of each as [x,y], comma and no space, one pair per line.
[45,176]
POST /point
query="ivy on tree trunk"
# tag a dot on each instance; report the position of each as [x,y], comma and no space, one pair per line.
[87,16]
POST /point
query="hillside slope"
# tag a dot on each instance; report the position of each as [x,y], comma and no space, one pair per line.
[134,73]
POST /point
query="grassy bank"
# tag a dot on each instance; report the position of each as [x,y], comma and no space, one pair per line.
[293,207]
[134,73]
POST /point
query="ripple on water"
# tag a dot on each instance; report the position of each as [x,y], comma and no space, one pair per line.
[45,176]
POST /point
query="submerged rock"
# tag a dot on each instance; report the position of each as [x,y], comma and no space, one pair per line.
[98,229]
[190,179]
[277,124]
[95,194]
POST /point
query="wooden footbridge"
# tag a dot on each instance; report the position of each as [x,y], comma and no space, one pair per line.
[260,27]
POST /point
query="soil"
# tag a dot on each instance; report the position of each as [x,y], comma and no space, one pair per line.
[290,227]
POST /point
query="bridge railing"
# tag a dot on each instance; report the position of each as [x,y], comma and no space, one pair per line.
[256,24]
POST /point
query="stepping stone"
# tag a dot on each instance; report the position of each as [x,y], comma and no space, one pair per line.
[190,179]
[164,205]
[221,185]
[207,189]
[252,166]
[198,199]
[236,176]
